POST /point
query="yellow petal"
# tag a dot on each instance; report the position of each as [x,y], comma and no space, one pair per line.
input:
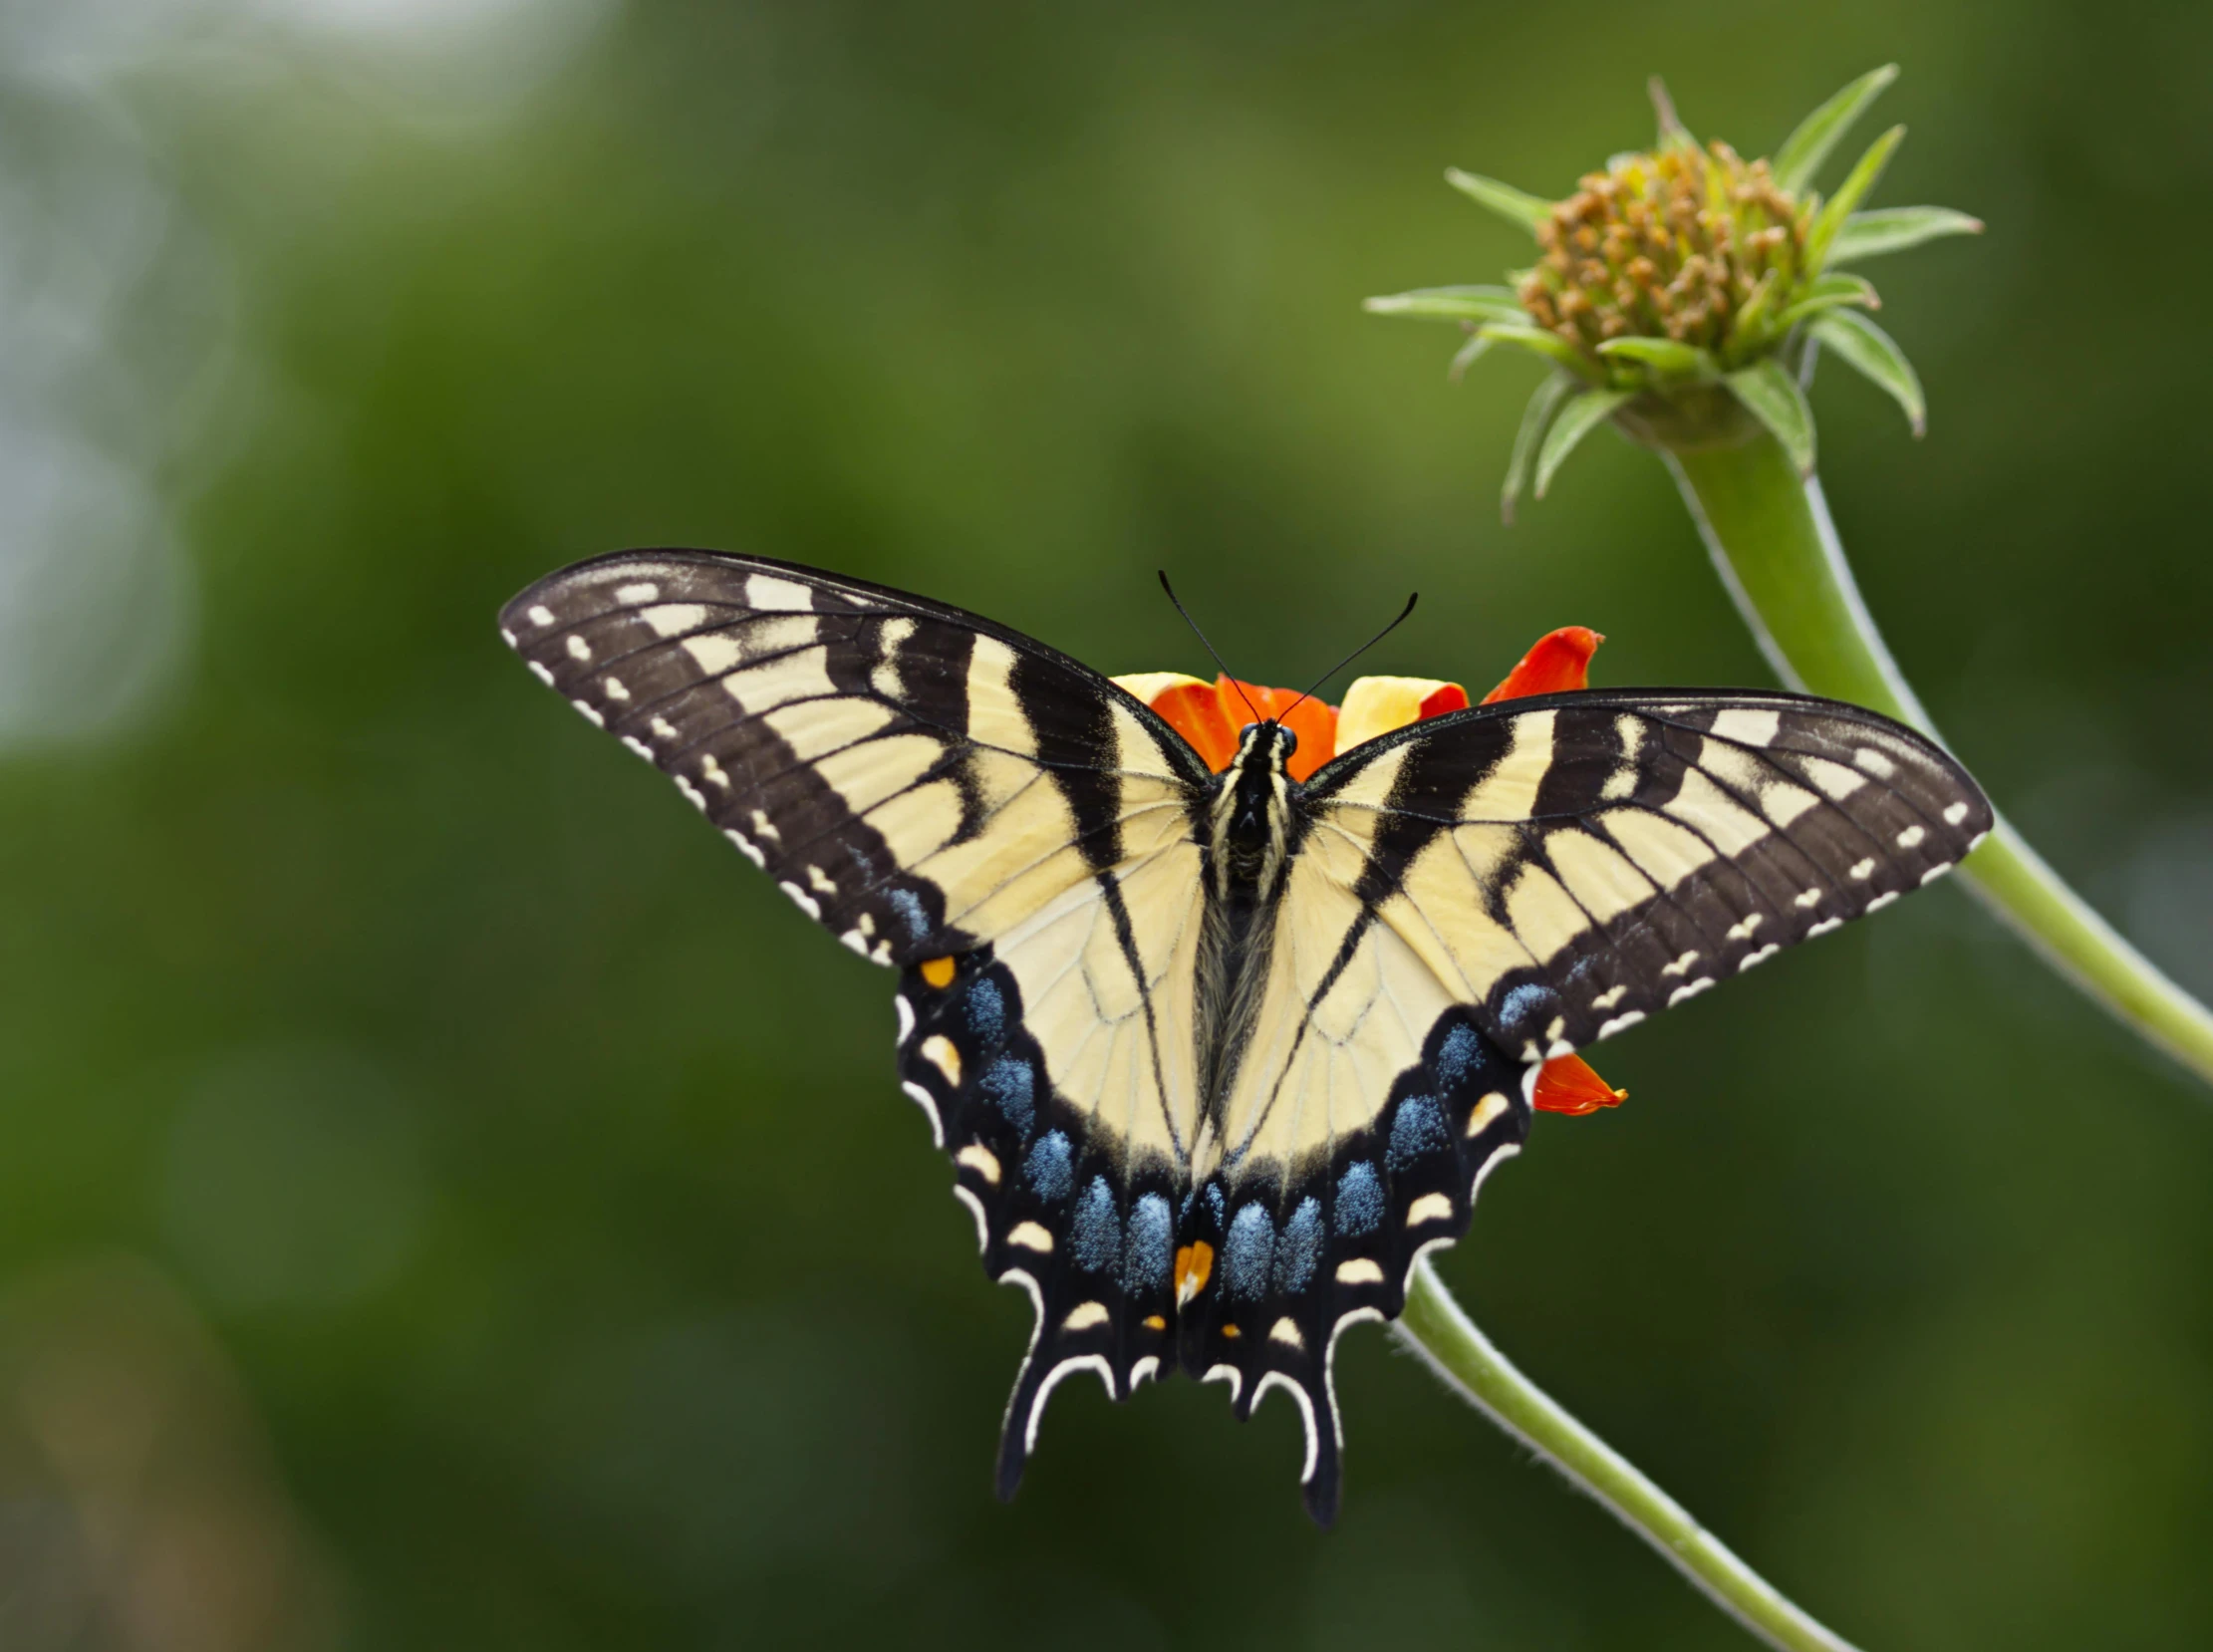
[1146,686]
[1377,704]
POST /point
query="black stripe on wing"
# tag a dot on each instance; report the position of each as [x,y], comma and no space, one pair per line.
[830,728]
[1639,845]
[1294,1262]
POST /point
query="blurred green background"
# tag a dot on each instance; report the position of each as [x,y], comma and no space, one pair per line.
[447,1200]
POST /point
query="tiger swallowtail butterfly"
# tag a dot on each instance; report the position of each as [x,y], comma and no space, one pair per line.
[1216,1057]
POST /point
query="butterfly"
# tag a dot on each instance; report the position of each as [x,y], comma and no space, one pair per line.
[1216,1057]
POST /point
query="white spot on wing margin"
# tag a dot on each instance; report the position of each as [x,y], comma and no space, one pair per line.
[975,1208]
[1276,1379]
[928,1104]
[1053,1378]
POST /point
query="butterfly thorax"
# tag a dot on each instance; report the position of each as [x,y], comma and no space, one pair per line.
[1250,824]
[1248,836]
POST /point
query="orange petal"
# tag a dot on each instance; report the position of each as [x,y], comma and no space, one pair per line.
[1194,711]
[1314,722]
[1377,704]
[1565,1084]
[1560,660]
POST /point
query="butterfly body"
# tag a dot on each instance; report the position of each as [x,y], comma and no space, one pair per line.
[1216,1057]
[1250,822]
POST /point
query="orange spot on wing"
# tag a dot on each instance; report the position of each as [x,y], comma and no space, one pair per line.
[938,972]
[1193,1266]
[1154,1322]
[1566,1085]
[1231,1332]
[1560,660]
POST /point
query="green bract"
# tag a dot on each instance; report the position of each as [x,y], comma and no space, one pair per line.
[1682,291]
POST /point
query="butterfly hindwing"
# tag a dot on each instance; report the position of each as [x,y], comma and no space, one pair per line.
[1572,864]
[1284,1254]
[1078,1213]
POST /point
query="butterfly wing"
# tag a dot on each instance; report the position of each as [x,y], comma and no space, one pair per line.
[1474,895]
[1572,864]
[1003,825]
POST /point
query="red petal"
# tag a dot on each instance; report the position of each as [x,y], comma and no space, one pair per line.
[1450,697]
[1560,660]
[1565,1084]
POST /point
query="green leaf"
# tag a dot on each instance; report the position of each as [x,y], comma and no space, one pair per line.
[1577,417]
[1535,419]
[1467,356]
[1774,398]
[1752,314]
[1894,228]
[1671,127]
[1664,355]
[1804,151]
[1517,206]
[1450,304]
[1859,343]
[1848,195]
[1827,292]
[1540,341]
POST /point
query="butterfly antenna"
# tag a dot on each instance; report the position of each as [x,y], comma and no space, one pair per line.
[1355,654]
[1210,648]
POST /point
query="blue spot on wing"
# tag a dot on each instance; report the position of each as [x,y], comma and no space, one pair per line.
[1457,1051]
[1300,1248]
[1049,1168]
[987,1009]
[1245,1253]
[907,905]
[1359,1200]
[1418,1131]
[1151,1246]
[1095,1233]
[1524,1005]
[1009,1084]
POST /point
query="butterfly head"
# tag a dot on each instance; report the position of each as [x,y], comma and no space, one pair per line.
[1254,805]
[1264,747]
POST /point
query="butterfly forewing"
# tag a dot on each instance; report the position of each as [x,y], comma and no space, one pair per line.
[1573,864]
[909,775]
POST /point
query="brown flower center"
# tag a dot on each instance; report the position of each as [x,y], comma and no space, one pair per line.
[1670,245]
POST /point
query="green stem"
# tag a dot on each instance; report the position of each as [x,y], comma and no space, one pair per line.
[1435,1327]
[1776,551]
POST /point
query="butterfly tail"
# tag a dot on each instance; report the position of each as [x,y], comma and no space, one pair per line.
[1025,1407]
[1325,1478]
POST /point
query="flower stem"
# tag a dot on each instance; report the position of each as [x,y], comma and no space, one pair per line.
[1435,1327]
[1778,553]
